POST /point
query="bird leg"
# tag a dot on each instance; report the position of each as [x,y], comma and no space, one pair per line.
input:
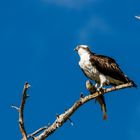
[99,87]
[96,85]
[103,80]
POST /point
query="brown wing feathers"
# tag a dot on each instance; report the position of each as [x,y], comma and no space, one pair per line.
[109,67]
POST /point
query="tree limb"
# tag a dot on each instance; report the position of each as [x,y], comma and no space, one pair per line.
[61,119]
[21,111]
[15,107]
[32,135]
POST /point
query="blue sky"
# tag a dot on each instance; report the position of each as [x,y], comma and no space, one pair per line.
[37,38]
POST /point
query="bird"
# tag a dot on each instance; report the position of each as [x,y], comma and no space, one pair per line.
[100,99]
[104,70]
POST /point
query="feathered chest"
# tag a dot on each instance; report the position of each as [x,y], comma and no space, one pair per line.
[88,68]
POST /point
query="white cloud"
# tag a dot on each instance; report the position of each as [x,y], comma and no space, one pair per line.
[76,4]
[94,26]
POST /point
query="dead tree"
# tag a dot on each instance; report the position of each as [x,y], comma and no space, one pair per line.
[45,131]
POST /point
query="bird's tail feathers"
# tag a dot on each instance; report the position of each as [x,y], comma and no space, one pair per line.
[134,84]
[131,81]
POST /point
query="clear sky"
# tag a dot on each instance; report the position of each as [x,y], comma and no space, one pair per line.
[37,38]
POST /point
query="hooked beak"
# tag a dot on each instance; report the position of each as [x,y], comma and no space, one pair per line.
[76,49]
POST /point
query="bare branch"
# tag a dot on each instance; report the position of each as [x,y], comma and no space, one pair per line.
[67,114]
[21,111]
[36,132]
[15,107]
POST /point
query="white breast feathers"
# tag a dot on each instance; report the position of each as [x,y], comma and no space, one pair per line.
[86,65]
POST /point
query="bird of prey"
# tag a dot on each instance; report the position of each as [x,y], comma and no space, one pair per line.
[102,69]
[138,17]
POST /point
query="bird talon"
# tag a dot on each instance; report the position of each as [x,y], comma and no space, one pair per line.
[101,89]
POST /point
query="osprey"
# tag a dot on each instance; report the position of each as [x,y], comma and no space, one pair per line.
[102,69]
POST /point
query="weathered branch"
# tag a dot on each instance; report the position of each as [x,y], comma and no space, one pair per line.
[21,111]
[32,135]
[61,119]
[15,107]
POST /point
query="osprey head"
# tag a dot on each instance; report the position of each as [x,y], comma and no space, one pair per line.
[82,48]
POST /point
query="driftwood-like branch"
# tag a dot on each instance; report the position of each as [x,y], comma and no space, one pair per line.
[15,107]
[21,111]
[61,119]
[36,132]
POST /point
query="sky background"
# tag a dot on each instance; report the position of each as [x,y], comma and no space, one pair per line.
[37,38]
